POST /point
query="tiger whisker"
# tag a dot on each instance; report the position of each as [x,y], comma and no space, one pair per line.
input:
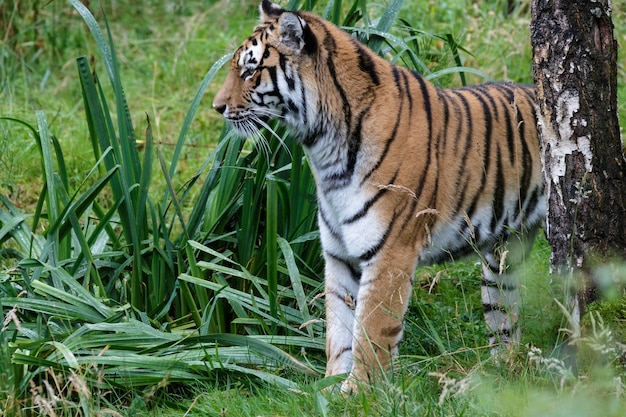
[277,136]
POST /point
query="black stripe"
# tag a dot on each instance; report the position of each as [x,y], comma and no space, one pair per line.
[370,253]
[464,117]
[310,40]
[509,90]
[368,204]
[335,182]
[282,61]
[529,92]
[425,99]
[426,102]
[498,193]
[491,307]
[292,106]
[323,219]
[510,133]
[512,328]
[452,105]
[532,200]
[394,131]
[343,178]
[391,331]
[463,187]
[488,117]
[274,93]
[429,117]
[487,91]
[487,151]
[445,102]
[407,88]
[305,106]
[329,44]
[499,285]
[354,142]
[356,274]
[366,63]
[498,334]
[341,352]
[440,146]
[526,157]
[312,139]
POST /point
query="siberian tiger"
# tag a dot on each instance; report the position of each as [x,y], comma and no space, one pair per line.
[406,174]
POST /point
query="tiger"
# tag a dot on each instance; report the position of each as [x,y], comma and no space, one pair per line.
[406,174]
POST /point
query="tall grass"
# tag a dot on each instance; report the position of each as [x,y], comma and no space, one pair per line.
[107,283]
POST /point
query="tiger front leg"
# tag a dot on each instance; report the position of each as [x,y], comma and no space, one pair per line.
[341,290]
[382,301]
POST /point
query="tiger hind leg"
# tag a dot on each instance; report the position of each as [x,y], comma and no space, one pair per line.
[500,291]
[500,298]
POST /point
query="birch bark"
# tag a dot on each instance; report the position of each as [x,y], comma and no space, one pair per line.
[575,73]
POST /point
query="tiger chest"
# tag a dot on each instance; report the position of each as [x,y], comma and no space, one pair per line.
[350,226]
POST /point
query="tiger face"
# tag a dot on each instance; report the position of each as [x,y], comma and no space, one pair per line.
[263,82]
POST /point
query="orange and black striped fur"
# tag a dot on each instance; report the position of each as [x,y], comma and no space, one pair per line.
[406,174]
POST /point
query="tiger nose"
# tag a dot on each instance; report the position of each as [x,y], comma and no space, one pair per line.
[220,108]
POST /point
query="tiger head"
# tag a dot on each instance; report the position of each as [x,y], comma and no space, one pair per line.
[265,77]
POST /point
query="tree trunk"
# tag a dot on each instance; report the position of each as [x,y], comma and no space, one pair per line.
[575,73]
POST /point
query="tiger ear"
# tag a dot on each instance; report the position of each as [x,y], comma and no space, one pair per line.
[269,10]
[292,31]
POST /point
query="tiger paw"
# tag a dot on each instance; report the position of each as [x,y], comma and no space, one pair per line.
[349,386]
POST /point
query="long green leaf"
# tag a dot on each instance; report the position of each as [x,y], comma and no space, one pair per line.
[97,34]
[58,309]
[296,283]
[271,233]
[81,204]
[145,176]
[193,110]
[386,21]
[256,305]
[48,168]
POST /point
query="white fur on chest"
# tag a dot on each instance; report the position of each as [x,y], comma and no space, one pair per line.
[347,231]
[344,236]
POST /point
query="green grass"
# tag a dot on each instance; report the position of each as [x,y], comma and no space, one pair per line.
[158,280]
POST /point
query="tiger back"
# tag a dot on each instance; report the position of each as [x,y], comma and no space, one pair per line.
[406,174]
